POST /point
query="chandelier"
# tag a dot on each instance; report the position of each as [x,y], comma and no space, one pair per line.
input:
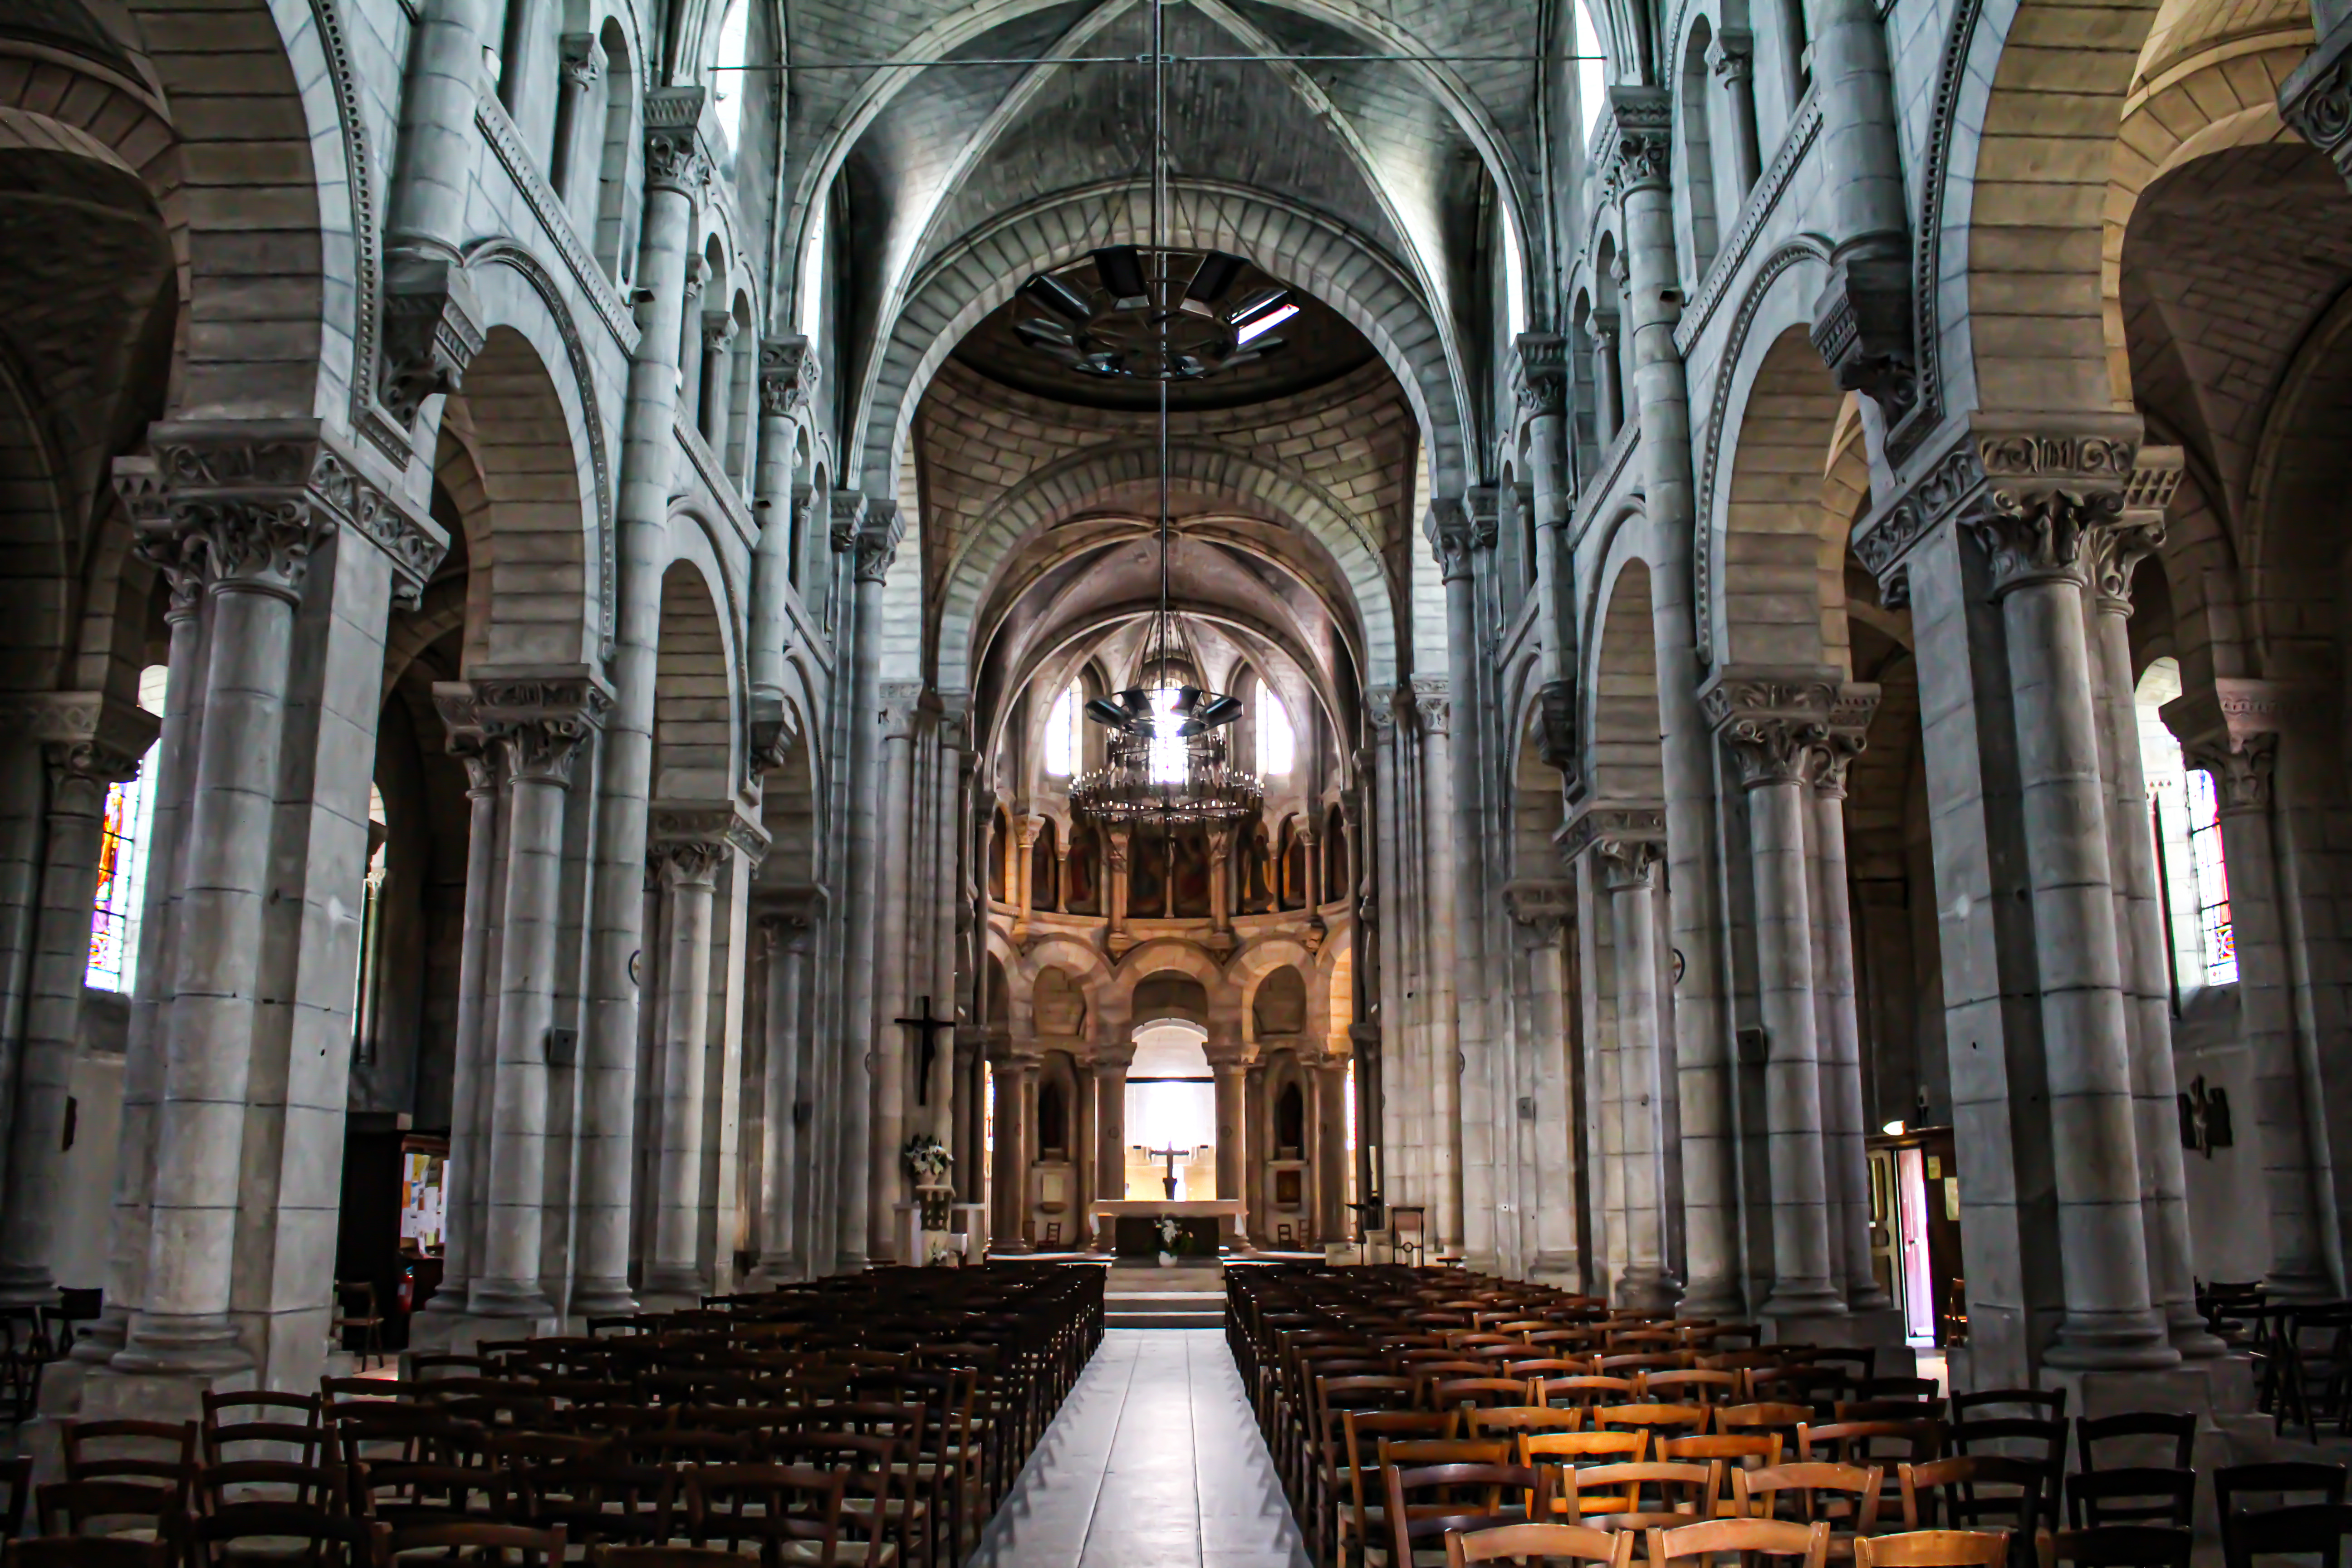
[1165,761]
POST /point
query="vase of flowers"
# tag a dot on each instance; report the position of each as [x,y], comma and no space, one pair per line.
[928,1158]
[1171,1238]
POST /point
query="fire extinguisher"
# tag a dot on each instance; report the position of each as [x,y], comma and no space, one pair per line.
[407,1293]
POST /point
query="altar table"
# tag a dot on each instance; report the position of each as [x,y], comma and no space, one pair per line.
[1106,1213]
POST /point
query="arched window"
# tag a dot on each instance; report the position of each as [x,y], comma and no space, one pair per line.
[2185,815]
[727,81]
[1591,80]
[1277,745]
[1064,744]
[1053,1123]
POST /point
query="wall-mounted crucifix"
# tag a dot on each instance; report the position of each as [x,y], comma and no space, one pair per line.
[925,1048]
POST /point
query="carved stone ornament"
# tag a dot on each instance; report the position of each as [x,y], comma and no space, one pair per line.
[1539,374]
[1555,724]
[718,329]
[1485,505]
[1626,864]
[2316,97]
[690,829]
[1451,536]
[1773,721]
[848,513]
[2038,536]
[877,540]
[1541,906]
[1610,822]
[1433,699]
[431,330]
[788,377]
[1636,139]
[775,734]
[540,717]
[1381,709]
[676,156]
[1845,737]
[1862,324]
[87,740]
[1732,53]
[2092,455]
[901,701]
[2231,729]
[2241,770]
[583,59]
[242,503]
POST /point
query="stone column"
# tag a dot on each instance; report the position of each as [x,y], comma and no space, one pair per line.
[1862,322]
[876,541]
[1608,397]
[432,324]
[541,726]
[1772,724]
[1386,912]
[718,328]
[1329,1076]
[1257,1146]
[1539,379]
[461,1239]
[1627,868]
[1310,840]
[677,166]
[691,337]
[255,554]
[1845,1124]
[88,741]
[788,373]
[1552,1240]
[1111,1131]
[2033,547]
[1116,840]
[1024,841]
[887,1169]
[1638,162]
[1732,57]
[1445,845]
[688,868]
[2115,553]
[172,768]
[2288,1108]
[1016,1082]
[582,67]
[1233,1132]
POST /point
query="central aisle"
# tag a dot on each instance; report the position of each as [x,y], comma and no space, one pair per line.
[1154,1461]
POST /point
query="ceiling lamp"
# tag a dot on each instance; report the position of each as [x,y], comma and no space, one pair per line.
[1154,314]
[1165,760]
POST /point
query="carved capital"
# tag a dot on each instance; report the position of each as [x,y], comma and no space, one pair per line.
[677,159]
[2038,537]
[433,328]
[775,734]
[89,740]
[1732,54]
[541,718]
[1380,703]
[1608,822]
[689,831]
[1601,327]
[1451,536]
[1636,139]
[901,701]
[1862,324]
[2241,770]
[1845,737]
[2315,99]
[1433,699]
[2231,729]
[688,862]
[788,378]
[877,540]
[1555,724]
[1774,723]
[1539,374]
[1485,505]
[2114,550]
[582,59]
[847,514]
[1992,465]
[1541,906]
[1627,863]
[718,329]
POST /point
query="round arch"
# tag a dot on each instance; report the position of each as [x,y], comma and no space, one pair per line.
[696,758]
[1620,720]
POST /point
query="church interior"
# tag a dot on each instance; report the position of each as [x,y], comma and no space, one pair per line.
[1053,765]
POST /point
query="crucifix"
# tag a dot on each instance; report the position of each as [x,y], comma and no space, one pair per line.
[1168,1181]
[926,1050]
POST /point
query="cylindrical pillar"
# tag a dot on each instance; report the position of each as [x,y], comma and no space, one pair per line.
[540,753]
[1330,1079]
[691,339]
[1443,845]
[437,139]
[1732,57]
[1627,868]
[876,544]
[258,557]
[461,1233]
[2109,1321]
[887,1170]
[1111,1137]
[1844,1149]
[1608,397]
[1232,1121]
[78,775]
[677,165]
[718,328]
[581,70]
[689,872]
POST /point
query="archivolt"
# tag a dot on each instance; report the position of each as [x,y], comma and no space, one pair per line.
[1066,486]
[1304,249]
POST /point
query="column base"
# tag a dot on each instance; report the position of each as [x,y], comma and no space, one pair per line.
[671,1280]
[1717,1298]
[1810,1299]
[99,1344]
[1868,1298]
[2185,1326]
[2111,1341]
[778,1268]
[462,1333]
[2295,1284]
[189,1347]
[602,1299]
[849,1263]
[1648,1291]
[509,1299]
[32,1287]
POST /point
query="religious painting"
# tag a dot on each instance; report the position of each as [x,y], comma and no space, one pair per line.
[1147,877]
[1081,892]
[1334,856]
[1044,868]
[1000,827]
[1257,896]
[1294,866]
[1191,883]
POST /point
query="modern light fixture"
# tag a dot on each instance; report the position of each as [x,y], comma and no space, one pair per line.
[1165,760]
[1153,314]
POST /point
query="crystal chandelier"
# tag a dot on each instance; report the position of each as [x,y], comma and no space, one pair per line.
[1165,761]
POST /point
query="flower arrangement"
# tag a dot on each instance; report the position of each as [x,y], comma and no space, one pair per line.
[1171,1233]
[927,1158]
[943,1256]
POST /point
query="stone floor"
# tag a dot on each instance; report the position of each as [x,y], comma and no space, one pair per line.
[1153,1462]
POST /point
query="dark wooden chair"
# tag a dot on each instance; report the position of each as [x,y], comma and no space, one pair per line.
[2309,1530]
[2119,1546]
[87,1551]
[1424,1504]
[2161,1437]
[356,1312]
[2136,1494]
[479,1542]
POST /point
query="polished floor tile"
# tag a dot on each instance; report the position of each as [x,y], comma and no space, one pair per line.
[1153,1462]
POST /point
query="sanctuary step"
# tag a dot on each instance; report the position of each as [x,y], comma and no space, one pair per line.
[1185,1297]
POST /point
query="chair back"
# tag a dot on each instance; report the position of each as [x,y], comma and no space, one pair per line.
[2123,1546]
[2278,1480]
[1770,1537]
[2154,1437]
[2307,1530]
[1531,1543]
[2138,1494]
[1933,1549]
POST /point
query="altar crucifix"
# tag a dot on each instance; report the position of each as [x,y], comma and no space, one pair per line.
[925,1048]
[1168,1181]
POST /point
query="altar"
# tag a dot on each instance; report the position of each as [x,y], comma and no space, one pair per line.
[1127,1226]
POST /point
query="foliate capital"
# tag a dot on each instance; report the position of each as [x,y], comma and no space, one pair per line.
[1539,374]
[690,834]
[847,511]
[775,734]
[88,739]
[2241,770]
[1451,536]
[1485,505]
[1993,465]
[1845,737]
[1555,724]
[541,718]
[1732,54]
[2231,728]
[2316,97]
[2116,549]
[1862,324]
[718,329]
[1636,139]
[788,375]
[877,540]
[583,59]
[1541,906]
[1627,863]
[1774,723]
[1608,823]
[677,158]
[1432,698]
[1381,709]
[433,328]
[2038,536]
[901,701]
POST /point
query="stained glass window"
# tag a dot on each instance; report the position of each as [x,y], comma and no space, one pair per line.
[1062,737]
[2212,880]
[123,865]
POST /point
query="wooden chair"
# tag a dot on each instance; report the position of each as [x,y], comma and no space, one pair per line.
[1784,1419]
[159,1454]
[661,1557]
[2035,1440]
[1475,1392]
[1509,1421]
[785,1513]
[2117,1546]
[1747,1450]
[1571,1448]
[1953,1493]
[600,1502]
[1758,1495]
[356,1309]
[1362,1518]
[1585,1391]
[328,1539]
[1531,1543]
[1692,1386]
[1658,1420]
[2140,1494]
[2169,1438]
[407,1495]
[1425,1503]
[481,1541]
[1770,1537]
[2281,1480]
[1933,1549]
[133,1510]
[87,1551]
[2308,1529]
[1612,1497]
[2010,1404]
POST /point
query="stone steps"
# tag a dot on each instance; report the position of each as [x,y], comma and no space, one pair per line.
[1165,1309]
